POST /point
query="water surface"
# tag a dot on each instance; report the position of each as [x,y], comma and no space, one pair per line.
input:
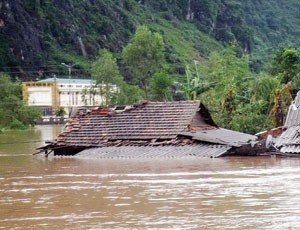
[72,193]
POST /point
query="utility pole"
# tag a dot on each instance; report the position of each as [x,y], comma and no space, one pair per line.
[55,89]
[196,62]
[69,66]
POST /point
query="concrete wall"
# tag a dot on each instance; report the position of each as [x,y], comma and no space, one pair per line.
[40,96]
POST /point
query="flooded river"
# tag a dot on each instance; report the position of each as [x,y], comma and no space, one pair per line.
[71,193]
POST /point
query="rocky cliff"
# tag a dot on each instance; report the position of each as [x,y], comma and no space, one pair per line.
[44,32]
[21,39]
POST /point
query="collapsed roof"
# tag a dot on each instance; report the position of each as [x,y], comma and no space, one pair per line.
[289,141]
[185,124]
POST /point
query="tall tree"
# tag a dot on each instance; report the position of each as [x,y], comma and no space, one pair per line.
[143,56]
[228,73]
[13,112]
[254,115]
[161,84]
[127,95]
[286,65]
[107,75]
[228,77]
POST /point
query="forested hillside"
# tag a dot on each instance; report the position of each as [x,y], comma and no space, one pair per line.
[43,32]
[272,22]
[224,52]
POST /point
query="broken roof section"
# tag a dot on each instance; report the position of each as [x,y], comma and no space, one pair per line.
[155,124]
[289,140]
[222,136]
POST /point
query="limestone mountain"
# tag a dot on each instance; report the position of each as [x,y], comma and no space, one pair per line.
[37,35]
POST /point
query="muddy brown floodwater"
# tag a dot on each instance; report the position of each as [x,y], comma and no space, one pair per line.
[72,193]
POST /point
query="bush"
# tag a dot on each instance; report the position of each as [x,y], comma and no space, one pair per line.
[60,112]
[16,124]
[12,108]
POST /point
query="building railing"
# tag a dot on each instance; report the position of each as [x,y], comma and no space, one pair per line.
[51,120]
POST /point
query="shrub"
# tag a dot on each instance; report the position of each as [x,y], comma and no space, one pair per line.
[16,124]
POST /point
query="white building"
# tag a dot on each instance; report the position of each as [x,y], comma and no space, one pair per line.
[54,93]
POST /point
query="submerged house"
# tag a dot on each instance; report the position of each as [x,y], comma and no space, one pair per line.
[288,143]
[147,129]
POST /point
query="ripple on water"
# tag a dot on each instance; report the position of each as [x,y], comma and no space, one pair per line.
[235,197]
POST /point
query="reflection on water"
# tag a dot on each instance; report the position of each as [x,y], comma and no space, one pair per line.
[70,193]
[24,142]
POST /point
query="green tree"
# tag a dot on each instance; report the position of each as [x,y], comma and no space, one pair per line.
[237,98]
[249,118]
[254,114]
[107,75]
[12,109]
[262,88]
[127,95]
[196,83]
[192,84]
[228,77]
[161,84]
[143,56]
[286,65]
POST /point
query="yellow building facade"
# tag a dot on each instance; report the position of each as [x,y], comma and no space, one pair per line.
[55,93]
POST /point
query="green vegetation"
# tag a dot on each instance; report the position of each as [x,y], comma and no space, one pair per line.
[60,112]
[110,82]
[161,84]
[107,75]
[217,51]
[286,65]
[272,23]
[72,31]
[143,56]
[127,95]
[238,98]
[13,113]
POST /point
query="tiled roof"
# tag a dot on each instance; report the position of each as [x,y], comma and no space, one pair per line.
[150,152]
[151,121]
[146,130]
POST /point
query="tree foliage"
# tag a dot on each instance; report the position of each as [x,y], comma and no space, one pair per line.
[105,72]
[228,73]
[161,84]
[109,80]
[286,65]
[143,56]
[238,99]
[281,101]
[12,109]
[127,95]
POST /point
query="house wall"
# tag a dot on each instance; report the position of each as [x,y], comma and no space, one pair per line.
[202,118]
